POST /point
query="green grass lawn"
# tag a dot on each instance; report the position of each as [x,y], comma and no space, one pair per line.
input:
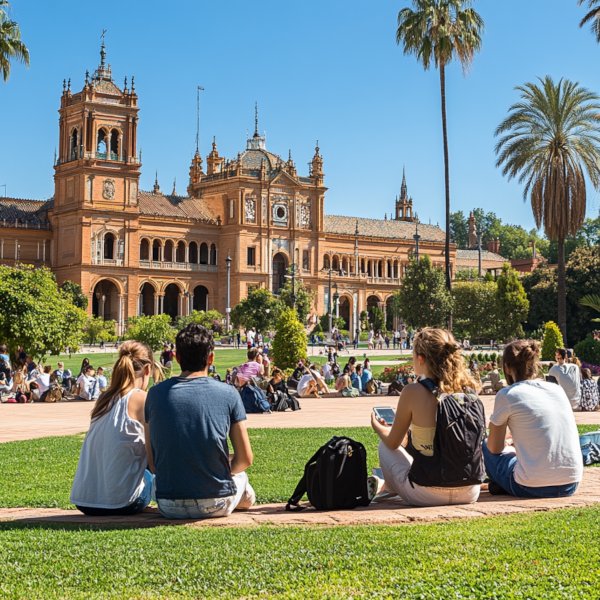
[545,556]
[536,556]
[39,472]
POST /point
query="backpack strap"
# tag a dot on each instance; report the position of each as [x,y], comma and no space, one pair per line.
[293,502]
[430,385]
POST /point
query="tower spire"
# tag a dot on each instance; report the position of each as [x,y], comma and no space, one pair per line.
[102,50]
[156,188]
[403,188]
[256,119]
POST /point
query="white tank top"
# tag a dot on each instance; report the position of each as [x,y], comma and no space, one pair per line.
[110,473]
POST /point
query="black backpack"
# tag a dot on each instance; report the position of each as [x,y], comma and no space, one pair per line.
[335,477]
[457,445]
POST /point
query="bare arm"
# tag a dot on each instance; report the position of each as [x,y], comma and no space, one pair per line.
[242,451]
[393,436]
[149,454]
[496,439]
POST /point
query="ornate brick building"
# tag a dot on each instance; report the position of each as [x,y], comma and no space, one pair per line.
[147,252]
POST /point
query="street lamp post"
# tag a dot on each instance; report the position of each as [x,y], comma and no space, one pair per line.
[416,237]
[228,307]
[479,253]
[330,314]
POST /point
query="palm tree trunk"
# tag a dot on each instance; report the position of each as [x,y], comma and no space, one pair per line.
[562,290]
[447,183]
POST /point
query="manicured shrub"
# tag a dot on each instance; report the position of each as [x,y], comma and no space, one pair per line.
[552,340]
[290,343]
[588,351]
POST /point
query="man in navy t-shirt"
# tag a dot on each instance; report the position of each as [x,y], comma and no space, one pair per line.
[189,419]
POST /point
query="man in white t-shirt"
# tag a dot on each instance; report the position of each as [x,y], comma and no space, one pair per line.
[568,376]
[311,384]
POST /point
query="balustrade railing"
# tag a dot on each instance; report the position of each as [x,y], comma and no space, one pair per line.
[177,266]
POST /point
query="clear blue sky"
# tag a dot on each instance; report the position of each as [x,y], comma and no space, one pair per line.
[326,70]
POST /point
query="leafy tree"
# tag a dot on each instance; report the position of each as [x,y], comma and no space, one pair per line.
[541,288]
[290,343]
[260,309]
[153,330]
[512,305]
[553,340]
[11,46]
[472,317]
[588,236]
[592,16]
[74,291]
[97,329]
[438,31]
[423,298]
[364,320]
[35,313]
[591,301]
[459,229]
[304,297]
[211,319]
[550,142]
[376,318]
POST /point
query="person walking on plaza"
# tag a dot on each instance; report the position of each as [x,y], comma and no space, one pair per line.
[111,477]
[590,396]
[189,420]
[545,458]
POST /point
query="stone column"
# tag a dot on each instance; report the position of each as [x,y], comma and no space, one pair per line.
[161,304]
[156,304]
[120,319]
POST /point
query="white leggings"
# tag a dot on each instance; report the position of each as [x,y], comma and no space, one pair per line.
[396,464]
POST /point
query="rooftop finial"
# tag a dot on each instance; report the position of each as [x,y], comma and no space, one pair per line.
[156,188]
[317,147]
[133,83]
[174,192]
[356,229]
[290,155]
[102,50]
[125,84]
[87,77]
[256,119]
[69,85]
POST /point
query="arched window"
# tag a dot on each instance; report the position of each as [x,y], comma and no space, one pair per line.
[193,253]
[168,256]
[102,144]
[144,250]
[156,250]
[213,254]
[109,246]
[335,263]
[180,253]
[326,263]
[203,253]
[345,266]
[73,155]
[114,145]
[362,265]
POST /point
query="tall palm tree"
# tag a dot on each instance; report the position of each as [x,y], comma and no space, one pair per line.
[11,46]
[549,141]
[592,16]
[437,31]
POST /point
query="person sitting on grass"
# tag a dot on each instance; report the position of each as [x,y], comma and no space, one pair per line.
[111,477]
[311,384]
[343,382]
[590,396]
[545,458]
[20,387]
[102,382]
[366,375]
[496,382]
[87,385]
[568,376]
[42,383]
[407,447]
[189,418]
[253,367]
[356,378]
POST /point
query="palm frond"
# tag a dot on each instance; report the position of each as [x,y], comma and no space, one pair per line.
[591,301]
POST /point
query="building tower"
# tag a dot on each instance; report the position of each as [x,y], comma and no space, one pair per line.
[404,204]
[472,231]
[96,184]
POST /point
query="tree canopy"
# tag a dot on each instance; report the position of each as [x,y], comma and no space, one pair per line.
[154,330]
[11,45]
[36,314]
[260,309]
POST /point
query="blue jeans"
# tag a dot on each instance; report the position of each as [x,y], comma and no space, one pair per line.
[500,469]
[138,505]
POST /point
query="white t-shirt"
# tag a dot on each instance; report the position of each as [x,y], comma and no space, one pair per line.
[544,433]
[327,371]
[43,382]
[303,384]
[568,376]
[88,387]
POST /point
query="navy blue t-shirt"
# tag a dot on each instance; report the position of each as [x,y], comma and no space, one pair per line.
[189,423]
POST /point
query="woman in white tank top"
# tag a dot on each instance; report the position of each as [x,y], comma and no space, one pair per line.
[111,477]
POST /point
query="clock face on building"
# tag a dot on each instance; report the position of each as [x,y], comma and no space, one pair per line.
[280,214]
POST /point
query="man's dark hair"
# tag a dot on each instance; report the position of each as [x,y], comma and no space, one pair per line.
[252,353]
[194,343]
[562,352]
[3,348]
